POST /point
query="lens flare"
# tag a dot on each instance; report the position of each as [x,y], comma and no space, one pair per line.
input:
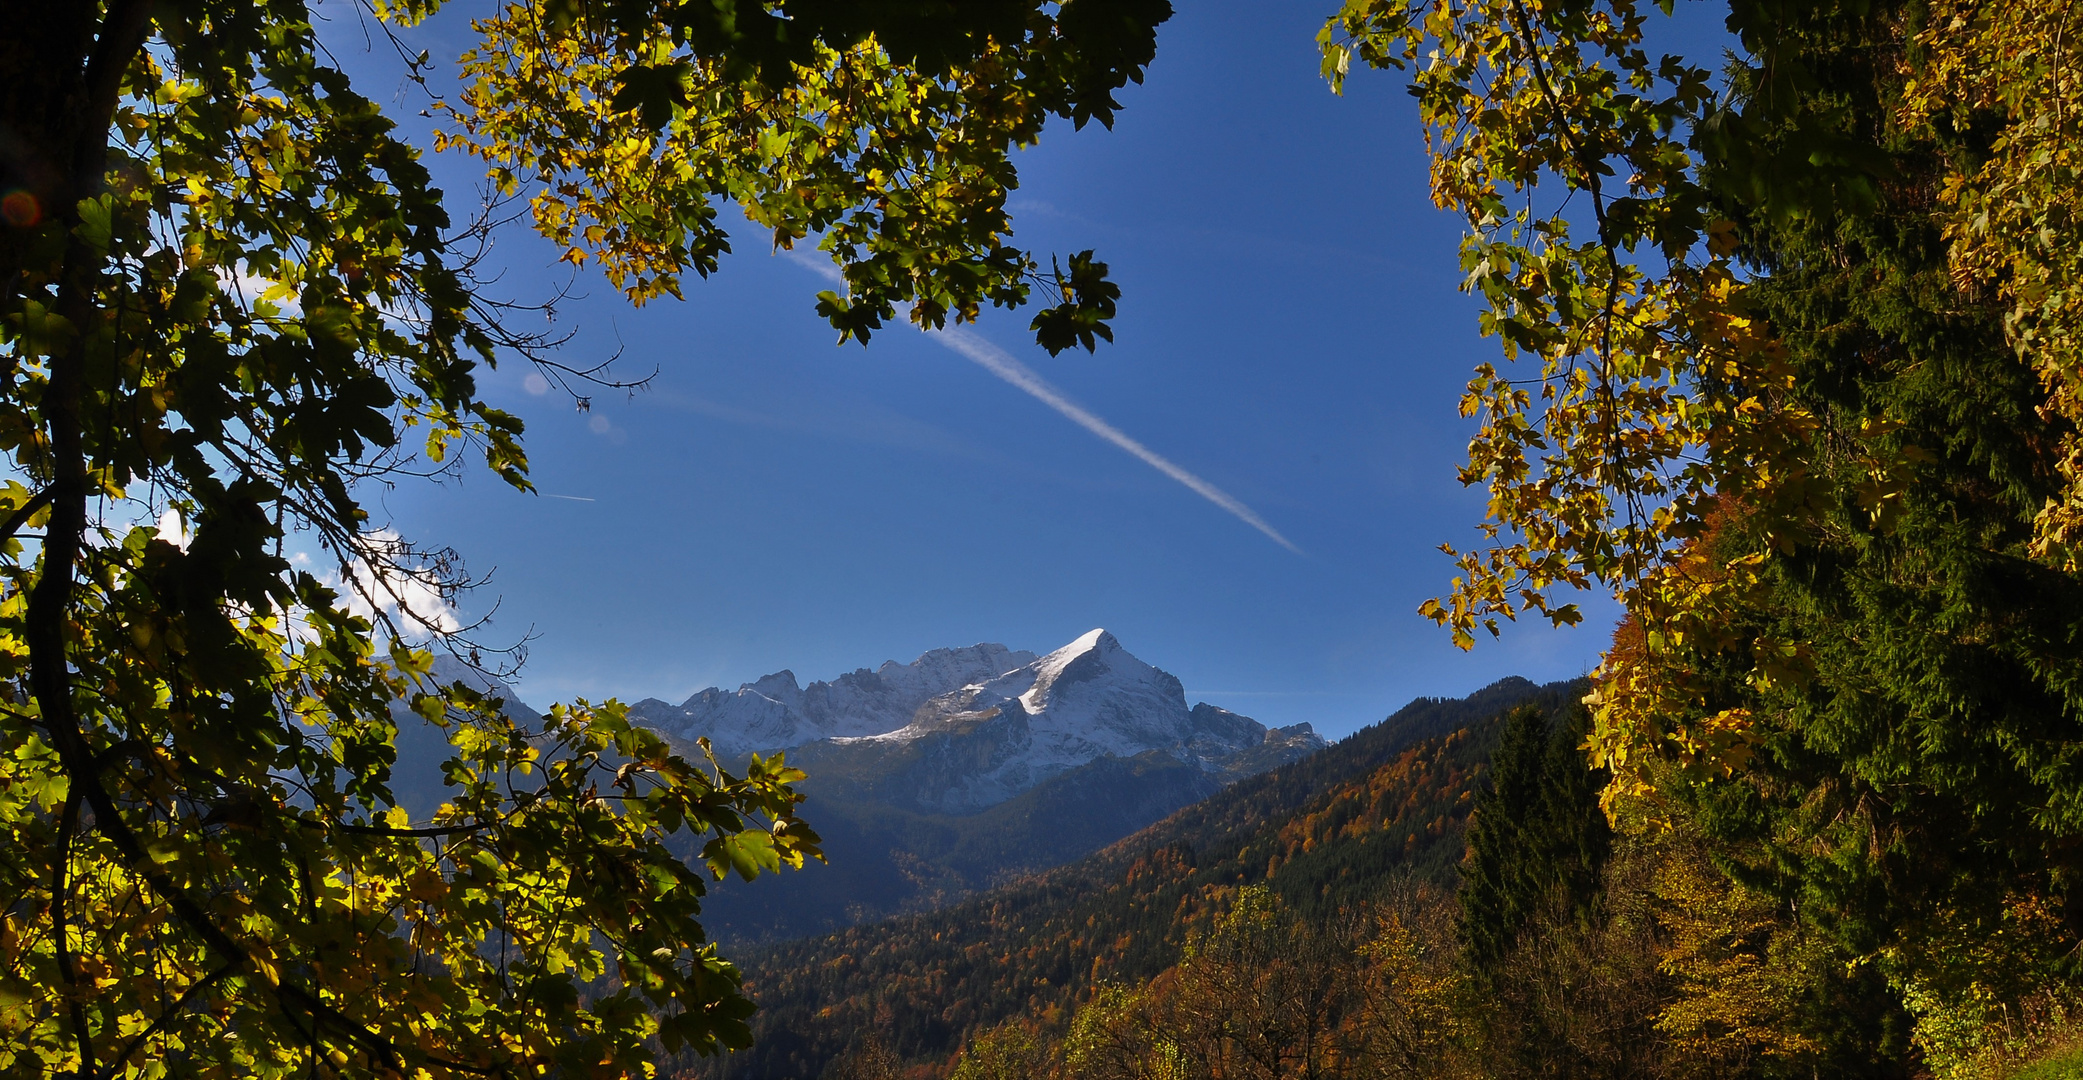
[19,209]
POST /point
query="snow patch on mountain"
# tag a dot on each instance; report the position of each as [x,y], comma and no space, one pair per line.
[775,713]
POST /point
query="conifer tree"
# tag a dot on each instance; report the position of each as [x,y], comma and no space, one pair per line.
[1537,839]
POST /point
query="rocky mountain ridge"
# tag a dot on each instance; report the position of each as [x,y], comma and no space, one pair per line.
[960,730]
[776,713]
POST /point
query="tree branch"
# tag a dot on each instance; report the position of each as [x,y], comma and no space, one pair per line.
[50,599]
[122,36]
[68,823]
[379,830]
[23,513]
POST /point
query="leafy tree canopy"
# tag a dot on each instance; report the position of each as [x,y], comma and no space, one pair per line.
[229,300]
[1793,368]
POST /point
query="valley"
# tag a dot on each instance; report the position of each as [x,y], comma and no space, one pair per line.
[1381,810]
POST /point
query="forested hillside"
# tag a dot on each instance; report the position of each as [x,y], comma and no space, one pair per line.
[886,860]
[1324,834]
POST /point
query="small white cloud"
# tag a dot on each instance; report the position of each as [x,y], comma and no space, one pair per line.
[250,287]
[536,384]
[172,530]
[410,598]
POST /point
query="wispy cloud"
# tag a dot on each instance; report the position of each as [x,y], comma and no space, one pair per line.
[1002,364]
[848,420]
[1282,693]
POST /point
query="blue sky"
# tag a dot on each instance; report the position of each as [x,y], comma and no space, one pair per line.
[1290,332]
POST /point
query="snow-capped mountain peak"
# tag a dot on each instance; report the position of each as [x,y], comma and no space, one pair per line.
[1091,656]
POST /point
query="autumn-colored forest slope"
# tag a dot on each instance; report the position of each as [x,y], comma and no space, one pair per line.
[1390,801]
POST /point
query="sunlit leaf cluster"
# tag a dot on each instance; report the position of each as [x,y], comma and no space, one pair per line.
[891,149]
[2012,217]
[1642,397]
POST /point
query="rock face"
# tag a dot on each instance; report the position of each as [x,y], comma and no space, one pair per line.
[960,730]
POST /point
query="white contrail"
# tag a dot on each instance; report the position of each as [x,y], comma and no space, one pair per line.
[1002,364]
